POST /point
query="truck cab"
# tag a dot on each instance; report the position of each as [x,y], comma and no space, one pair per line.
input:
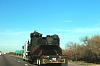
[0,53]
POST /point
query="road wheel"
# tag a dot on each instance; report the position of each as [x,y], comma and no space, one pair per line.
[31,62]
[23,59]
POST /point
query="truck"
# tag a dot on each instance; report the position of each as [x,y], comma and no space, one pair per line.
[25,51]
[44,50]
[0,53]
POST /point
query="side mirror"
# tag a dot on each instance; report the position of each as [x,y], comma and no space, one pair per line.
[22,47]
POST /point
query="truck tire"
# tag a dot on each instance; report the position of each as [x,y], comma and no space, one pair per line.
[23,59]
[31,62]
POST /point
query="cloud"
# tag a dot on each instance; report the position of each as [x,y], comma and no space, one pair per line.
[11,33]
[13,39]
[14,33]
[87,30]
[97,25]
[68,21]
[80,30]
[63,30]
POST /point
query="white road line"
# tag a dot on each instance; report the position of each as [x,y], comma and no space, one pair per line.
[26,64]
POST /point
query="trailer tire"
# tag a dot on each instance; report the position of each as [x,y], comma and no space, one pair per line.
[31,62]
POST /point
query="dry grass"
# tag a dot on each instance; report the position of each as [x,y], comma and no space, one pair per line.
[83,64]
[95,65]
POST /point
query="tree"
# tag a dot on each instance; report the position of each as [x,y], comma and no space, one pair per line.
[88,50]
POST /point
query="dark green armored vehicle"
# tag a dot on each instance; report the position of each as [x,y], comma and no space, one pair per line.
[44,50]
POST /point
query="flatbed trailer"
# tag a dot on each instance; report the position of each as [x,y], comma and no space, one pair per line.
[44,50]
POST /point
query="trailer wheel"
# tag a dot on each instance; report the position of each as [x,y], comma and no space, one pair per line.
[31,62]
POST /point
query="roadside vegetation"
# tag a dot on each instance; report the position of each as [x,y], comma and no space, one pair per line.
[88,50]
[81,63]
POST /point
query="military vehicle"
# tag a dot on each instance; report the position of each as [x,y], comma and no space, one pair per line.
[44,50]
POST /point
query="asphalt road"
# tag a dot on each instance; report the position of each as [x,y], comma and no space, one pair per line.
[6,60]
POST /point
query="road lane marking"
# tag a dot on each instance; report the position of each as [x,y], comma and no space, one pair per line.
[26,64]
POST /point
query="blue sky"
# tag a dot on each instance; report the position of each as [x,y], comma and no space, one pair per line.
[70,19]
